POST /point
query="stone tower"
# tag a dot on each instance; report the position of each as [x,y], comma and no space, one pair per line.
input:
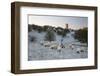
[66,26]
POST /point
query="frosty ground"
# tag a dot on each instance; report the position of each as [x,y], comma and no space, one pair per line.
[73,48]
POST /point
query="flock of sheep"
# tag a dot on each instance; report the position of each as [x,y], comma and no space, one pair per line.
[58,46]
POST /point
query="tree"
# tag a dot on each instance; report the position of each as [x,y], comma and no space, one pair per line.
[61,31]
[45,28]
[29,28]
[39,29]
[82,35]
[64,32]
[50,36]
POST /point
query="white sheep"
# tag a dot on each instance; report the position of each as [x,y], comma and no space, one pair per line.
[53,46]
[80,50]
[45,43]
[59,48]
[71,46]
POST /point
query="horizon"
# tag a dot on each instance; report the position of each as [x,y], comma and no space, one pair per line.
[59,21]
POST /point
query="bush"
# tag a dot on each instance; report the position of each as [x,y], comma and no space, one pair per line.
[61,31]
[45,28]
[64,32]
[39,29]
[29,28]
[50,36]
[32,39]
[82,35]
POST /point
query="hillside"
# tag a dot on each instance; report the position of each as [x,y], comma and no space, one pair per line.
[62,46]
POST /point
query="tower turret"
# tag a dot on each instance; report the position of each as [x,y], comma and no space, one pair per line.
[66,26]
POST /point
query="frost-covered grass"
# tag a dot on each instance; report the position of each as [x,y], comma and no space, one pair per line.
[73,49]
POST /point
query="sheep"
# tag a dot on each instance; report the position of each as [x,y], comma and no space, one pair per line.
[41,42]
[62,46]
[71,46]
[45,43]
[59,48]
[80,50]
[53,46]
[53,43]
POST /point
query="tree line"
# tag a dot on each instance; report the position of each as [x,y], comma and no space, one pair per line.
[81,34]
[49,29]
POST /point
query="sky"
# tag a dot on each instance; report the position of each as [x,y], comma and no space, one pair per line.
[58,21]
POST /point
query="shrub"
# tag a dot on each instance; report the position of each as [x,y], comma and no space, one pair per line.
[29,28]
[62,32]
[45,28]
[39,29]
[32,39]
[50,36]
[82,35]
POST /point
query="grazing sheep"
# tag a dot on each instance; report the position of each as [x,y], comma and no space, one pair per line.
[53,43]
[45,43]
[78,50]
[41,42]
[71,46]
[62,46]
[53,46]
[59,48]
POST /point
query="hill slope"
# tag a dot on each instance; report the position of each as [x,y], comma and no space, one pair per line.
[62,48]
